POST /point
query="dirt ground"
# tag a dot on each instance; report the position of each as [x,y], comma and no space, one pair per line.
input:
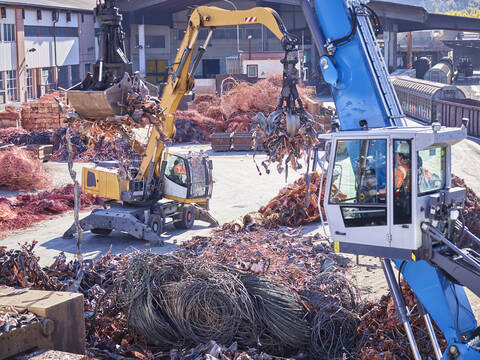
[238,189]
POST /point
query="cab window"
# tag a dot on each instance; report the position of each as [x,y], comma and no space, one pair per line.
[402,182]
[431,170]
[359,182]
[176,170]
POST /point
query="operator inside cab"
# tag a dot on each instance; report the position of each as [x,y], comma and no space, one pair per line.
[402,182]
[177,173]
[370,192]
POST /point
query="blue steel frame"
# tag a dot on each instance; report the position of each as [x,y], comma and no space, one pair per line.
[354,91]
[446,303]
[356,97]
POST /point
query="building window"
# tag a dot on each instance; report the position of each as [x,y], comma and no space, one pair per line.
[8,33]
[255,33]
[252,71]
[3,12]
[47,31]
[224,34]
[75,74]
[47,81]
[29,81]
[69,16]
[3,95]
[11,85]
[63,76]
[87,69]
[39,14]
[155,41]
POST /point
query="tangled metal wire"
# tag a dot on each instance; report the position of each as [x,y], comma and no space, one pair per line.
[182,302]
[279,315]
[335,322]
[209,304]
[334,333]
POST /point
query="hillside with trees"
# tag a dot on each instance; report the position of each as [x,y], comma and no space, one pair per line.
[444,6]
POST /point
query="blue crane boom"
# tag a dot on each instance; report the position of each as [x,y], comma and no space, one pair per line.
[408,219]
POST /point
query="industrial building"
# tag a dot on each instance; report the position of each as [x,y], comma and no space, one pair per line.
[44,44]
[154,31]
[47,44]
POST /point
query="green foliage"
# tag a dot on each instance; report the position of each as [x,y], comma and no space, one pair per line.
[469,12]
[465,7]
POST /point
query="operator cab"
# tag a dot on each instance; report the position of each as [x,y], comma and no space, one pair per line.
[188,175]
[379,184]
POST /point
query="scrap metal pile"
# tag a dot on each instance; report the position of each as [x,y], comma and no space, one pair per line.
[19,170]
[233,112]
[291,208]
[108,139]
[471,214]
[207,302]
[384,336]
[91,141]
[29,208]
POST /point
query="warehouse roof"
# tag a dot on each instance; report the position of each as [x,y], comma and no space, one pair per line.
[84,5]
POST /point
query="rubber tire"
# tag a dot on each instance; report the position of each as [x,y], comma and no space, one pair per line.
[159,223]
[99,231]
[188,218]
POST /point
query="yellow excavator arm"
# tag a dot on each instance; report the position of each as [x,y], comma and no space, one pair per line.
[181,79]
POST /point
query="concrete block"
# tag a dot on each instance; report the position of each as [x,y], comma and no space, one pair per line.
[65,330]
[51,355]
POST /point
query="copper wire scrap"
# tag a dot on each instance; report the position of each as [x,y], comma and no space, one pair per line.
[288,208]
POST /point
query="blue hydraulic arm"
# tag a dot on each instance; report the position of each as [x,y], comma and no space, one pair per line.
[344,34]
[353,65]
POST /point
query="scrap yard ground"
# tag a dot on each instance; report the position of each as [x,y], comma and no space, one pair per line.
[238,190]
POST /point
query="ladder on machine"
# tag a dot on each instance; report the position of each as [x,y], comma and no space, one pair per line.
[378,66]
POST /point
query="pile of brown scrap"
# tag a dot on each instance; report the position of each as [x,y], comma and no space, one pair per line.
[92,141]
[232,113]
[291,208]
[205,302]
[471,214]
[193,127]
[19,170]
[10,117]
[384,336]
[29,208]
[44,113]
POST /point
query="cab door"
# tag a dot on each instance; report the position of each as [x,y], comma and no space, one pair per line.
[403,230]
[357,195]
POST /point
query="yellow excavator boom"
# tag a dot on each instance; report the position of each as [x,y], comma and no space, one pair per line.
[181,80]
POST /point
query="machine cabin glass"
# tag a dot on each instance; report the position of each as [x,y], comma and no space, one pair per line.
[402,182]
[431,170]
[359,182]
[176,170]
[199,172]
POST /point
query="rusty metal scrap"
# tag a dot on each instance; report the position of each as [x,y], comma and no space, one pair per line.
[471,215]
[384,337]
[29,208]
[291,208]
[19,170]
[286,150]
[205,301]
[12,318]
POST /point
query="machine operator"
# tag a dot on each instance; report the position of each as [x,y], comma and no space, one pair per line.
[402,169]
